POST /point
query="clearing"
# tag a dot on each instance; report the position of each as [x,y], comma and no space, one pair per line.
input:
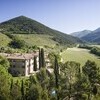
[79,55]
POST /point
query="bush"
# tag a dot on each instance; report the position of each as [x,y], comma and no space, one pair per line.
[16,43]
[84,46]
[96,51]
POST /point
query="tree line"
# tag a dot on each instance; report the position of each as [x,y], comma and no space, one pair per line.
[93,49]
[69,81]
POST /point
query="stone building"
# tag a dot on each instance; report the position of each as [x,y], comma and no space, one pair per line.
[21,64]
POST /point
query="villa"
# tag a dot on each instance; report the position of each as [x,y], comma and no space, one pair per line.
[22,64]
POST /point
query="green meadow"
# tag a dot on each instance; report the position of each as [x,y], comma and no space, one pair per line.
[79,55]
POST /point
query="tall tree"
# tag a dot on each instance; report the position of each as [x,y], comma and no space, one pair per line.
[82,88]
[35,64]
[35,92]
[4,84]
[40,62]
[16,92]
[56,72]
[42,58]
[4,79]
[22,90]
[91,70]
[68,76]
[11,84]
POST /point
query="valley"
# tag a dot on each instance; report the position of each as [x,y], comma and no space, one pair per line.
[79,55]
[40,63]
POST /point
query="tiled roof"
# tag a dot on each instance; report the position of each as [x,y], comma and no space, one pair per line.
[19,55]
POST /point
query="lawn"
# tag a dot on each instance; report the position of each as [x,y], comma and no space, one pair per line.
[79,55]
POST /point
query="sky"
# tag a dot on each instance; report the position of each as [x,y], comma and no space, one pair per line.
[64,15]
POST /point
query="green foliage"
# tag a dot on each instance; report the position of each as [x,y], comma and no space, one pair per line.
[91,70]
[4,40]
[4,84]
[42,78]
[34,92]
[16,43]
[52,55]
[68,81]
[82,88]
[15,92]
[95,90]
[35,64]
[84,46]
[68,76]
[45,95]
[4,62]
[22,89]
[42,58]
[56,73]
[39,85]
[93,49]
[96,51]
[4,79]
[26,25]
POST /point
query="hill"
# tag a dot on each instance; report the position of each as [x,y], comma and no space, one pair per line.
[89,36]
[94,36]
[81,33]
[24,25]
[4,40]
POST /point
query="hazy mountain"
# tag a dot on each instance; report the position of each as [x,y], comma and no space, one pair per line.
[89,36]
[81,33]
[94,36]
[24,25]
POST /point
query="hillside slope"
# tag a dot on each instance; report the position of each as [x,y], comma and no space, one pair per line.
[94,36]
[24,25]
[81,33]
[89,36]
[4,40]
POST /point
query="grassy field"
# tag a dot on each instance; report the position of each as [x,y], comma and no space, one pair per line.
[39,40]
[4,40]
[79,55]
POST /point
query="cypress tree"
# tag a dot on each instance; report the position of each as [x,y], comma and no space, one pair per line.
[11,84]
[22,89]
[42,58]
[35,64]
[40,64]
[95,91]
[56,72]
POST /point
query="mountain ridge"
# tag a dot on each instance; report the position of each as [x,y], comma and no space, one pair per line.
[89,36]
[24,25]
[80,33]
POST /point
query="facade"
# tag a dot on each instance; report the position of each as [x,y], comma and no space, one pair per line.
[21,64]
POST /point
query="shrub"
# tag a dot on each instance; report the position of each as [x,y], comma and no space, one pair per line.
[16,43]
